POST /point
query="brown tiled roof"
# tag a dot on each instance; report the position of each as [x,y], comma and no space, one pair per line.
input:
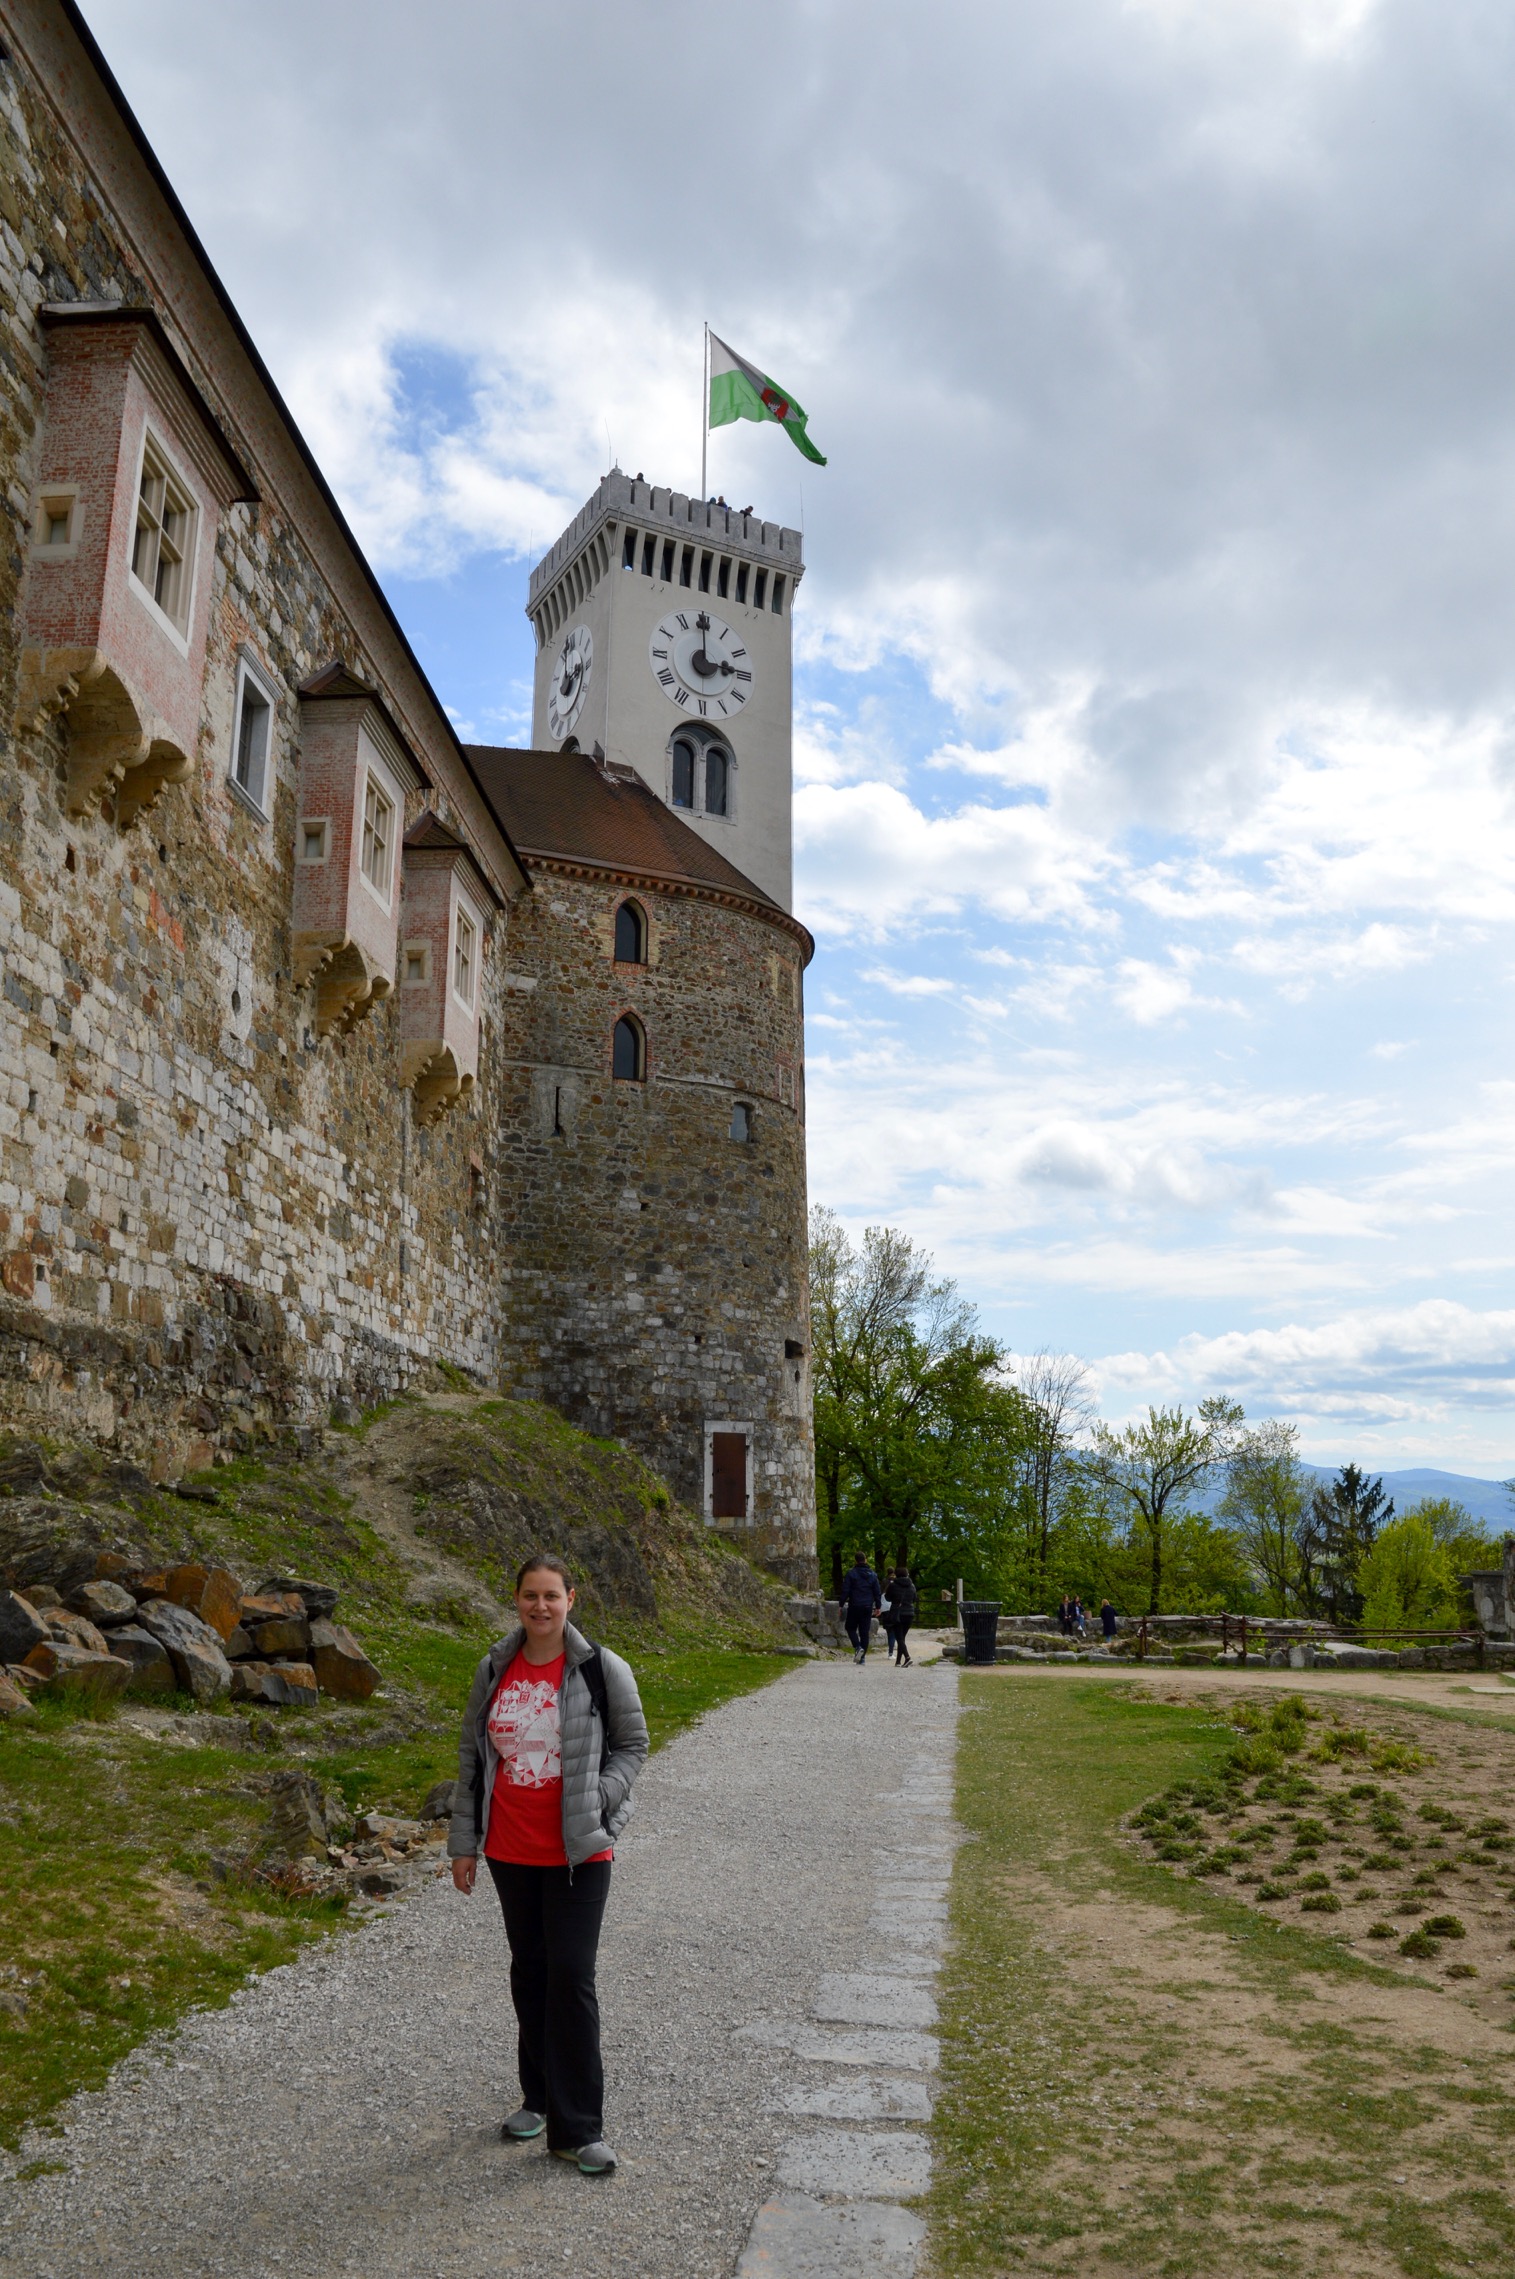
[429,830]
[560,804]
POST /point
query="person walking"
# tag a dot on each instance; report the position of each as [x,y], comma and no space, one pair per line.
[861,1595]
[1108,1620]
[904,1598]
[553,1738]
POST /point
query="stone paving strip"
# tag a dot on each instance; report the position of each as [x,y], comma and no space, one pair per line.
[838,2213]
[769,1948]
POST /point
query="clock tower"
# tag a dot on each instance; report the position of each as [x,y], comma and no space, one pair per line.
[663,644]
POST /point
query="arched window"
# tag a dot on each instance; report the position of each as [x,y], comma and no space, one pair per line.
[717,764]
[683,773]
[569,744]
[630,935]
[629,1053]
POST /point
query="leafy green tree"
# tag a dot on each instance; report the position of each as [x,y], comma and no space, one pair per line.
[1059,1402]
[1406,1579]
[1154,1468]
[1265,1501]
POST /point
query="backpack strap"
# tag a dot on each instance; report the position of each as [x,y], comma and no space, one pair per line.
[593,1674]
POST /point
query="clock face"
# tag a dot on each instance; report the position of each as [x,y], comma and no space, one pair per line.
[700,664]
[570,678]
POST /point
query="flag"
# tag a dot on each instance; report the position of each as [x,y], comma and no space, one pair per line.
[738,390]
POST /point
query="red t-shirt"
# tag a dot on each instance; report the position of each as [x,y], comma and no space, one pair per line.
[526,1808]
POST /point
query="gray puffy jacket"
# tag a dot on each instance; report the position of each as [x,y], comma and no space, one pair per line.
[596,1797]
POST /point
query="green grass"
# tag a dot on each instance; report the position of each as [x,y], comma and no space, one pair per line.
[1066,2073]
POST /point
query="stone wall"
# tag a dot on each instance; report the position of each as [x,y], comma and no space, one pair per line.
[658,1270]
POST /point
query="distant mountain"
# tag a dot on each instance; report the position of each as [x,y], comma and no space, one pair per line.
[1485,1499]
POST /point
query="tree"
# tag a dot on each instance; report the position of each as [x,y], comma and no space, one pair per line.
[1265,1501]
[1335,1535]
[1155,1467]
[1060,1401]
[919,1436]
[1406,1578]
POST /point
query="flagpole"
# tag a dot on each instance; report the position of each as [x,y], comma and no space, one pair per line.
[704,412]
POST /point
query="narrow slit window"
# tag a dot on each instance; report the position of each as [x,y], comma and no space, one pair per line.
[378,836]
[668,553]
[741,1120]
[312,842]
[628,1052]
[686,567]
[717,780]
[630,935]
[723,577]
[683,773]
[778,596]
[629,551]
[649,554]
[705,562]
[162,542]
[250,753]
[758,584]
[741,581]
[465,957]
[417,965]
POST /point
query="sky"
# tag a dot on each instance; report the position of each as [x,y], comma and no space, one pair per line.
[1155,691]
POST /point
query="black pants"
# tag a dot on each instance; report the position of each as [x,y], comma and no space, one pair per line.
[553,1926]
[860,1626]
[899,1631]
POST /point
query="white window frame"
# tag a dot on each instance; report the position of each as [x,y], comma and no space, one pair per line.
[376,782]
[464,914]
[250,674]
[50,497]
[177,630]
[713,1425]
[308,823]
[421,980]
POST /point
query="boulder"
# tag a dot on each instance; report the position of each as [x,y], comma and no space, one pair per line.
[439,1801]
[213,1593]
[239,1646]
[77,1674]
[44,1539]
[74,1630]
[151,1670]
[298,1816]
[43,1597]
[289,1635]
[105,1604]
[290,1685]
[13,1699]
[21,1627]
[269,1606]
[193,1647]
[318,1598]
[342,1668]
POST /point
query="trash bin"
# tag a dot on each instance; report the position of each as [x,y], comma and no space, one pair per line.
[980,1620]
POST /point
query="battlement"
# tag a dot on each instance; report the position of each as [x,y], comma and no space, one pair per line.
[648,506]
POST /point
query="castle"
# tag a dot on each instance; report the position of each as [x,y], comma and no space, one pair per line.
[332,1049]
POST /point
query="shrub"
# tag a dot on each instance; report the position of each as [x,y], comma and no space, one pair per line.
[1321,1903]
[1380,1930]
[1440,1817]
[1419,1944]
[1279,1891]
[1364,1788]
[1462,1970]
[1445,1927]
[1341,1741]
[1319,1881]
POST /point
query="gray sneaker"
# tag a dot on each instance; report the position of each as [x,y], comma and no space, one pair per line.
[595,2159]
[523,2126]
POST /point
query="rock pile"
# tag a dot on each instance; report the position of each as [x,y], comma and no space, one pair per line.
[189,1628]
[313,1845]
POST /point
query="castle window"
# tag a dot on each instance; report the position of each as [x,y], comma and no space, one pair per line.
[668,551]
[378,837]
[758,585]
[717,764]
[415,965]
[705,562]
[628,1060]
[465,958]
[630,935]
[310,845]
[741,581]
[629,551]
[683,773]
[723,577]
[778,596]
[249,756]
[163,544]
[686,566]
[649,554]
[55,530]
[741,1120]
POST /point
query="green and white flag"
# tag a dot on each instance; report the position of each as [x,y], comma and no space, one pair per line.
[738,390]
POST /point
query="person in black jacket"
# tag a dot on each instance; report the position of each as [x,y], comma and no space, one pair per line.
[903,1601]
[861,1595]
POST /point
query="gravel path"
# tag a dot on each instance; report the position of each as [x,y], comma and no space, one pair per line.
[341,2117]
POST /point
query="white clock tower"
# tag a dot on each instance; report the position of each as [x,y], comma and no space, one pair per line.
[663,642]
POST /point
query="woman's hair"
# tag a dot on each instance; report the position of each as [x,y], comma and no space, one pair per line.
[553,1564]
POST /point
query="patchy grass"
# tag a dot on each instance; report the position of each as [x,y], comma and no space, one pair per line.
[1142,2075]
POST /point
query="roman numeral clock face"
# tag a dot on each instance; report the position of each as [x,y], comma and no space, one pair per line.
[700,664]
[570,678]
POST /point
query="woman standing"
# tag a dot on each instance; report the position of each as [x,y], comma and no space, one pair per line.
[553,1737]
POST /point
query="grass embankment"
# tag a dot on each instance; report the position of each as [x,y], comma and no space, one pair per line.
[1143,2074]
[110,1924]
